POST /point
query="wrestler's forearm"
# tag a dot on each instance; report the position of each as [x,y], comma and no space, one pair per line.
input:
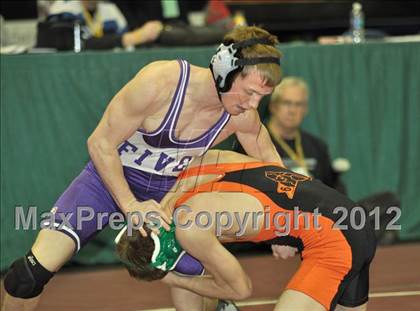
[267,150]
[258,144]
[108,164]
[204,286]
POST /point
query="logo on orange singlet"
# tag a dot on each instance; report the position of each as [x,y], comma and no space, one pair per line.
[286,181]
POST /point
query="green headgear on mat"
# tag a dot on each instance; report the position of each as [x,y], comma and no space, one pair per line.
[167,249]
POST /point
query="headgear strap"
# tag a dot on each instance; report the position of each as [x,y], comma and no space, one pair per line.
[228,61]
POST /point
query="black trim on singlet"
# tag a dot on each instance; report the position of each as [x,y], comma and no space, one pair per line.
[309,194]
[287,240]
[255,178]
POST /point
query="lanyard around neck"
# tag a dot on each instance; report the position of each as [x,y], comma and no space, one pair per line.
[94,24]
[296,155]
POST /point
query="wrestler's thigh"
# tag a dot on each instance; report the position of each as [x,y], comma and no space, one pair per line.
[293,300]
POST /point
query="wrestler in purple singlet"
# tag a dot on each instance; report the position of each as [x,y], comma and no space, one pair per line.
[151,163]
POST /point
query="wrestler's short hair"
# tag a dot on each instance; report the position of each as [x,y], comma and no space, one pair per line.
[270,72]
[136,252]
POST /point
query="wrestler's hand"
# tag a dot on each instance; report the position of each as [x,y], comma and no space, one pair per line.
[283,251]
[151,213]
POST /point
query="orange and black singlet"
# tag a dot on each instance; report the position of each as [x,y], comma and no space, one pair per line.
[338,258]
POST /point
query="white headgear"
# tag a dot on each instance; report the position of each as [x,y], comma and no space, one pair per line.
[228,61]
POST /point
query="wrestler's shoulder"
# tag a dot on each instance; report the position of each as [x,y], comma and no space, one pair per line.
[157,75]
[161,69]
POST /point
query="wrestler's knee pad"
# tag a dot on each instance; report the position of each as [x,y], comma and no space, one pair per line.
[26,277]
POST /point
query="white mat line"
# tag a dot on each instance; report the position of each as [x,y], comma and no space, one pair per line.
[261,302]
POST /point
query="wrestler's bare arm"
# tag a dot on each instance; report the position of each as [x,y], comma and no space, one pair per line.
[254,137]
[227,279]
[125,113]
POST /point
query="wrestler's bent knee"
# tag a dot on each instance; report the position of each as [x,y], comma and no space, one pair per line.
[26,277]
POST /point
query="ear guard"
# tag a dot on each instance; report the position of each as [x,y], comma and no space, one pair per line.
[167,252]
[228,61]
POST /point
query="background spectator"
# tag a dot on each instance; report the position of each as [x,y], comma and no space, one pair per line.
[102,23]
